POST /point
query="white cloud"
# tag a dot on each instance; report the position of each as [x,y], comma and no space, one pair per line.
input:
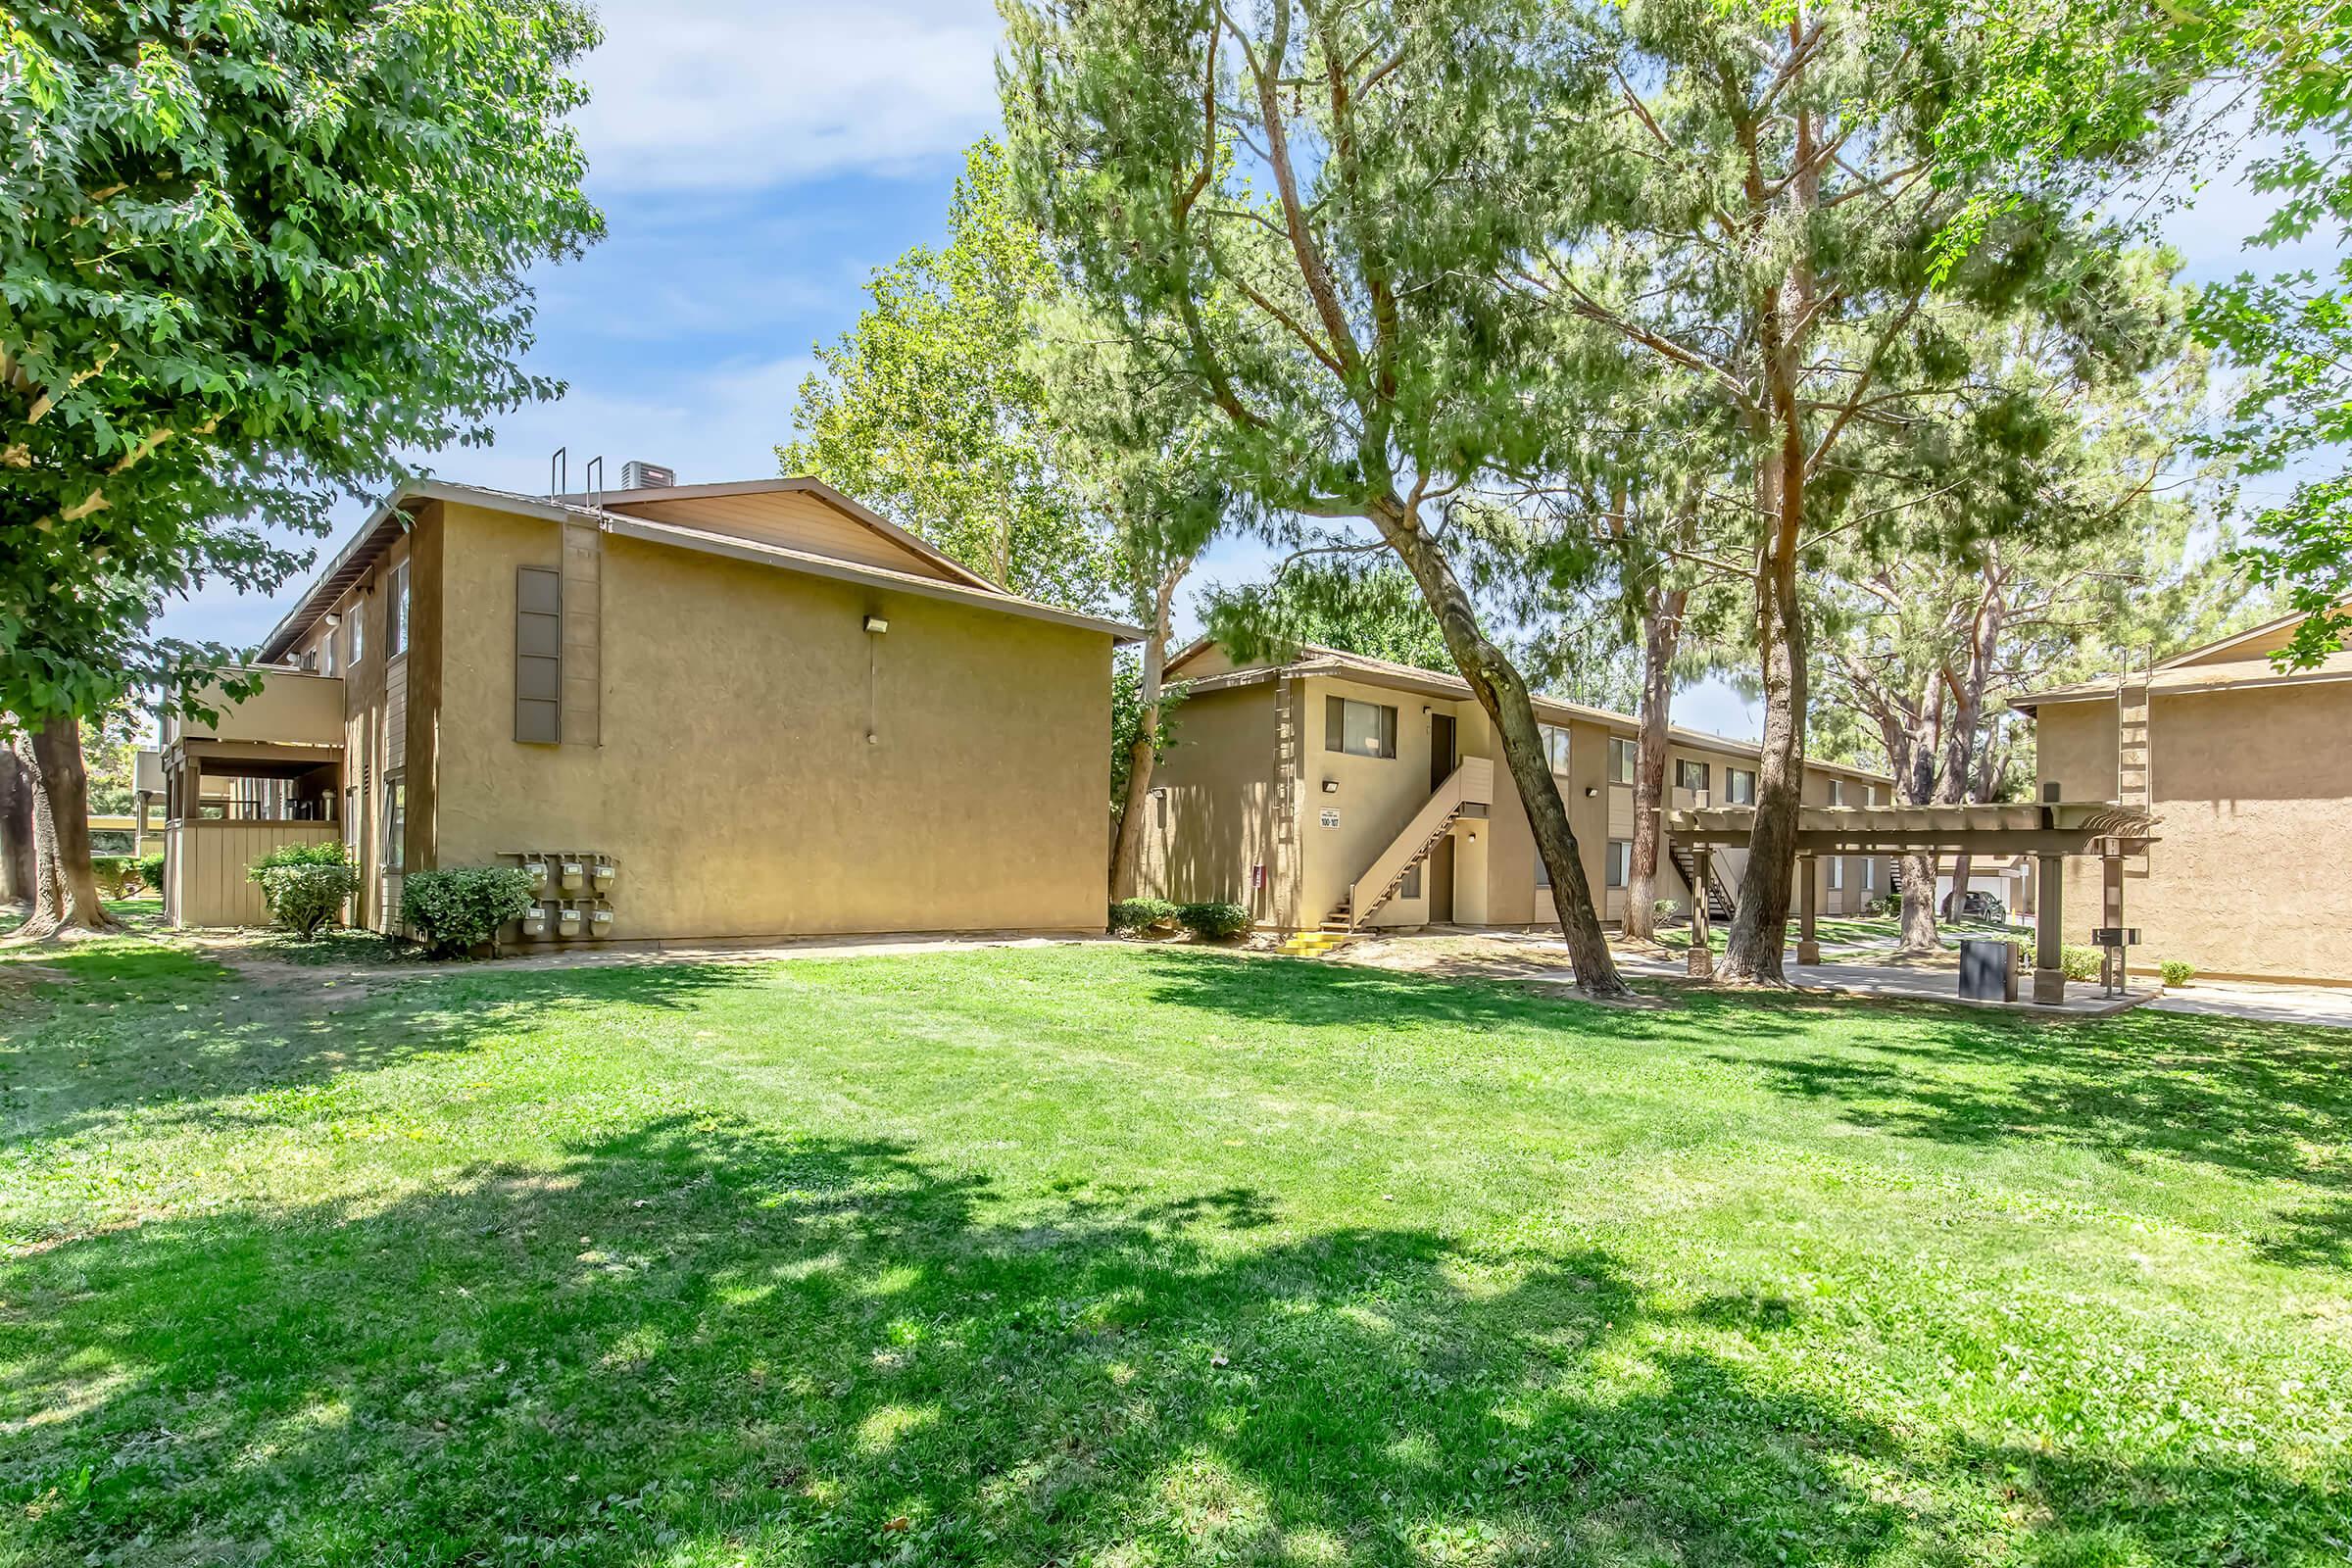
[725,94]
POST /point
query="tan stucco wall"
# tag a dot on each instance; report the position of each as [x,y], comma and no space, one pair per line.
[2247,876]
[1211,821]
[734,784]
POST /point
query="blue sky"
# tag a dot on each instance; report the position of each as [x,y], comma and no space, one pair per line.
[755,162]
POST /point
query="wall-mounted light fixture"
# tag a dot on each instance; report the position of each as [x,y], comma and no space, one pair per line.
[1474,835]
[1590,792]
[1331,786]
[876,625]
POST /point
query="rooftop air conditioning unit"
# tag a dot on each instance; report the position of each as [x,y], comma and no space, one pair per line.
[635,475]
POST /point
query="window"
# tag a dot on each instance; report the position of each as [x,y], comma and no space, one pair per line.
[396,611]
[1621,755]
[1837,792]
[1556,745]
[1543,872]
[539,655]
[1689,775]
[1410,886]
[396,821]
[1621,863]
[355,618]
[1740,786]
[326,651]
[1870,876]
[1360,729]
[1837,873]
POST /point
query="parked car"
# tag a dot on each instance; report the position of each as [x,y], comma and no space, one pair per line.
[1980,905]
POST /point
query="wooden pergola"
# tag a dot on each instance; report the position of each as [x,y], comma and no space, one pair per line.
[2050,831]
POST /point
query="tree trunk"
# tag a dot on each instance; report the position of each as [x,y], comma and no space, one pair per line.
[1661,637]
[1919,903]
[1142,753]
[1753,950]
[66,883]
[16,877]
[1503,692]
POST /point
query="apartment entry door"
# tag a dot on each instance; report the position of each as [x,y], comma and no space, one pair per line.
[1440,872]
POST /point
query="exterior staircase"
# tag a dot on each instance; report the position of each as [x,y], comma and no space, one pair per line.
[1472,783]
[1720,904]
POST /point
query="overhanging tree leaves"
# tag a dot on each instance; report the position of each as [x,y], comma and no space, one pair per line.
[249,256]
[1301,219]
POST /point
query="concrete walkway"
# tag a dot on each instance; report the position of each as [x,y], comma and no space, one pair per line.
[2330,1007]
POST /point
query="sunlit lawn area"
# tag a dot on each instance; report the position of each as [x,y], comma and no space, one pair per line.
[1128,1256]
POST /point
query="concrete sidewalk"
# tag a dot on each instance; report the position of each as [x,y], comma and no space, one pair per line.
[2328,1006]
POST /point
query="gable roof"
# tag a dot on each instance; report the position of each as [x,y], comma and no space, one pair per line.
[926,572]
[740,505]
[1316,659]
[2240,661]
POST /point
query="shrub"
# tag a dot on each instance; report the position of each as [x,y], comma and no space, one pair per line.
[1141,915]
[151,870]
[459,908]
[305,885]
[2177,972]
[2080,963]
[116,876]
[1213,923]
[1664,908]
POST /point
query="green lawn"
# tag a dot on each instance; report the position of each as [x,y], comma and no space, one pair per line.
[1121,1255]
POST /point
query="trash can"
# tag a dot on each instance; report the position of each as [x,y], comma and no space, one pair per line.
[1988,970]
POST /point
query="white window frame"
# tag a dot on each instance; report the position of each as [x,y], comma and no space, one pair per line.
[1384,727]
[1870,876]
[1617,869]
[1630,753]
[396,822]
[1731,787]
[1558,746]
[1837,873]
[353,621]
[396,610]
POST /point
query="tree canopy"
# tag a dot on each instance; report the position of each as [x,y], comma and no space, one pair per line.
[251,255]
[933,407]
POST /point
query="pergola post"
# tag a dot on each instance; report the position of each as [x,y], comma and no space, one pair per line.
[1702,960]
[2110,914]
[1808,897]
[2050,923]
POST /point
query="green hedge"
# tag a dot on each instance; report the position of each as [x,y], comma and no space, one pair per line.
[151,870]
[459,908]
[1212,922]
[1141,915]
[2177,972]
[305,886]
[2080,963]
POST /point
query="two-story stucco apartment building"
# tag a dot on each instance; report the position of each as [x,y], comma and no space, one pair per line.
[732,710]
[1339,788]
[2248,772]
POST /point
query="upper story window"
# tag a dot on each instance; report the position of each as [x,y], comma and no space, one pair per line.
[1740,786]
[1620,868]
[1555,746]
[356,620]
[1360,729]
[1837,792]
[327,650]
[1689,775]
[1621,754]
[396,611]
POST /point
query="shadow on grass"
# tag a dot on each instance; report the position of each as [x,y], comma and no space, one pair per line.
[698,1335]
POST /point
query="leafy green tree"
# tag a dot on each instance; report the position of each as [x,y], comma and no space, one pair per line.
[934,408]
[2114,85]
[1374,608]
[1775,176]
[249,255]
[1303,220]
